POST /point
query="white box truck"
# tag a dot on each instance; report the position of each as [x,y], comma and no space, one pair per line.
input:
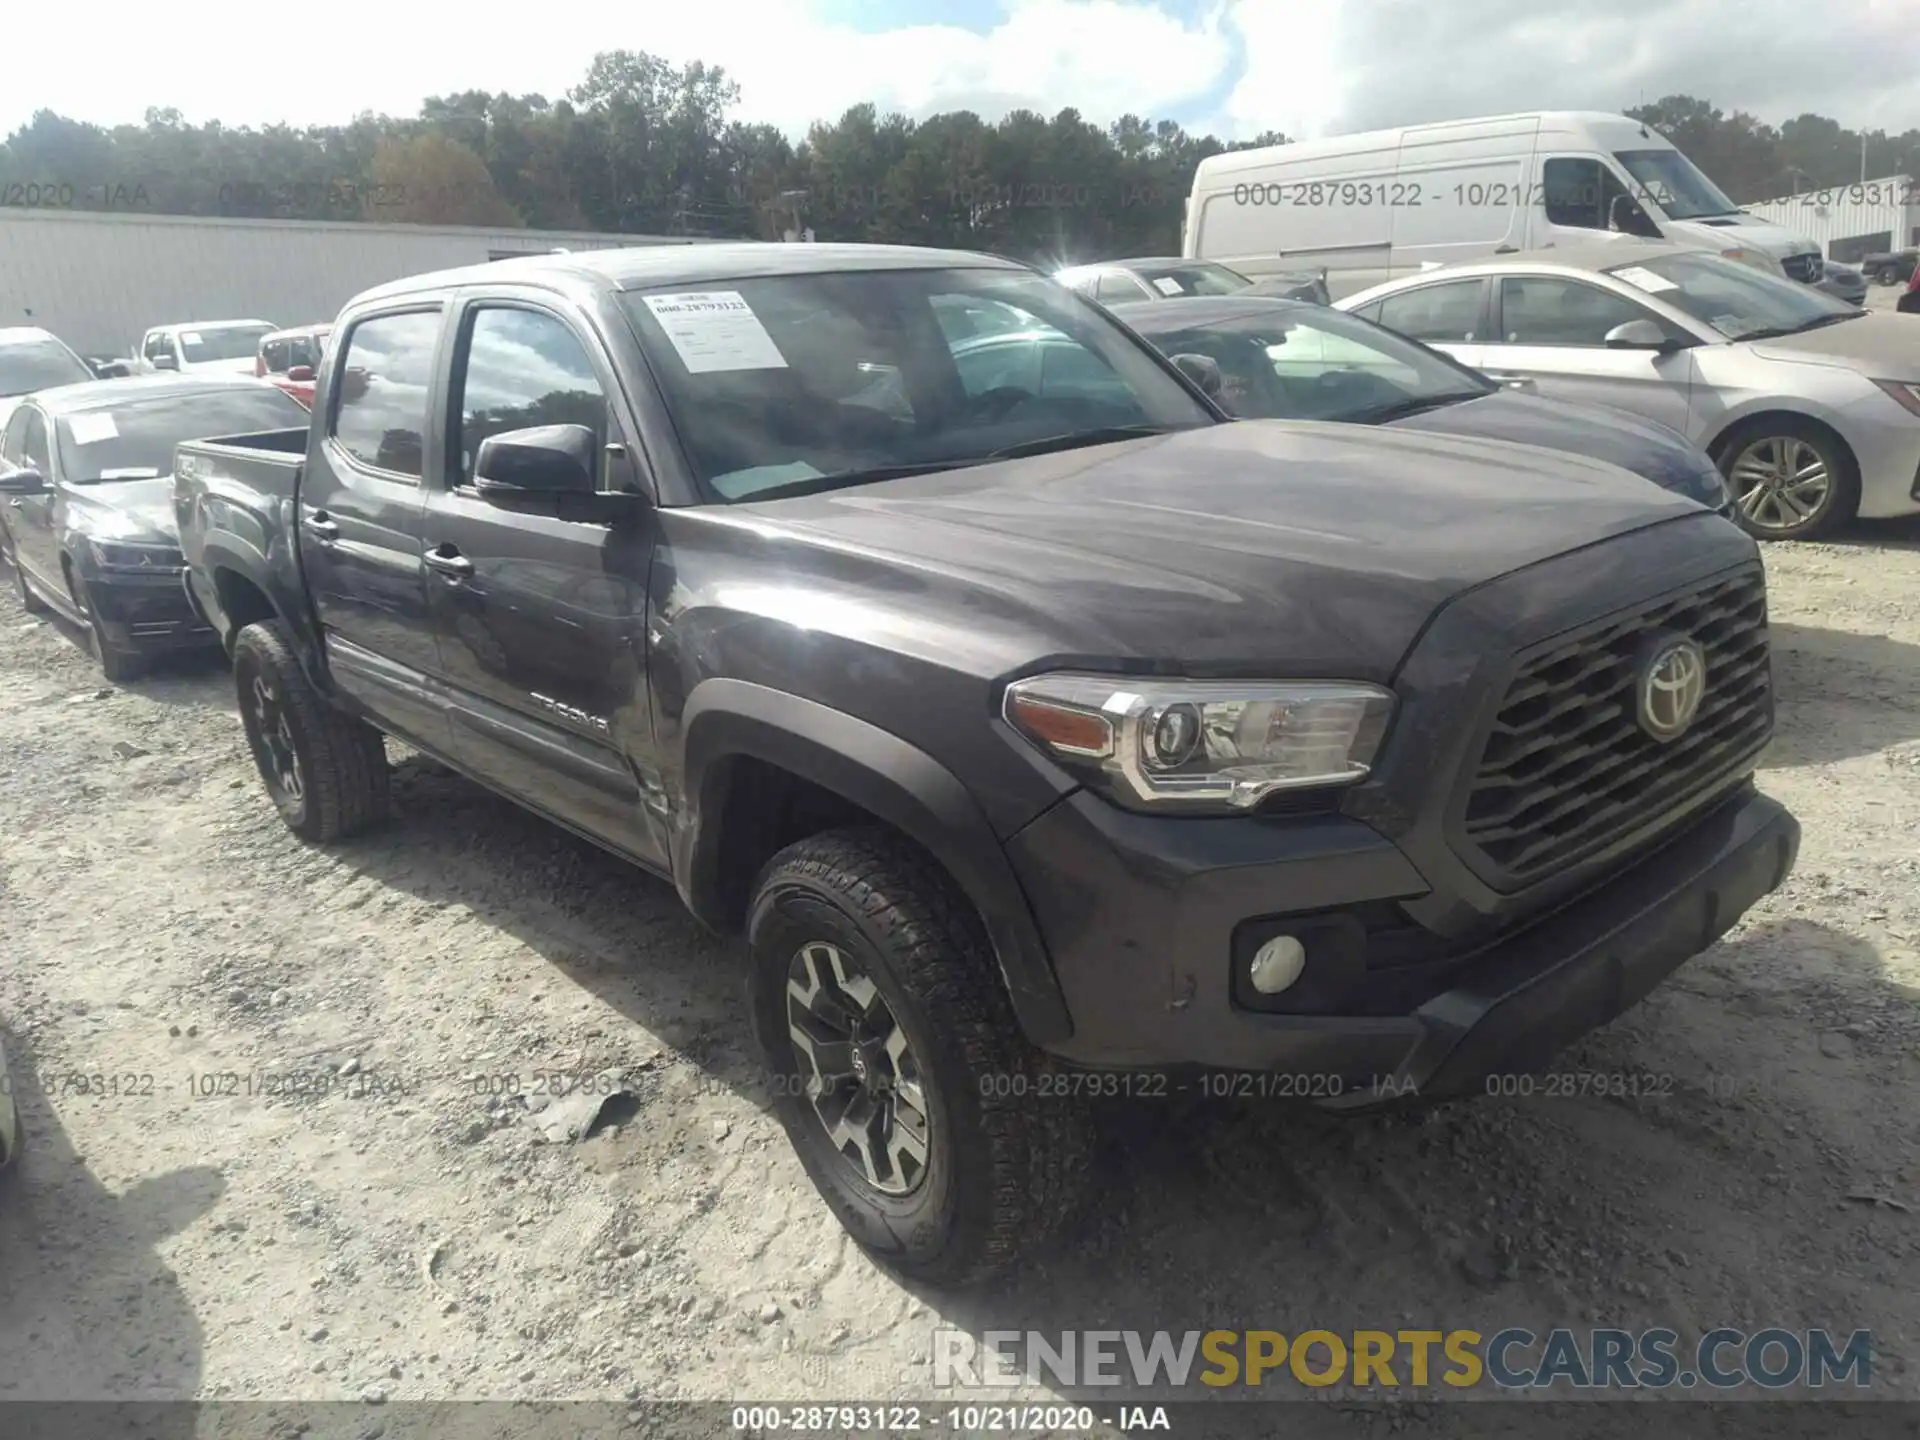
[1379,205]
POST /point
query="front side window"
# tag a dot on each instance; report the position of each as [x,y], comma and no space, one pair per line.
[34,451]
[380,415]
[1545,310]
[1115,288]
[1579,192]
[1442,314]
[159,346]
[1737,300]
[135,440]
[813,381]
[525,368]
[277,355]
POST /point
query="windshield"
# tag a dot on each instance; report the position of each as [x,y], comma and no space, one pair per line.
[135,441]
[30,365]
[1288,364]
[1675,184]
[221,342]
[1740,302]
[781,381]
[1192,278]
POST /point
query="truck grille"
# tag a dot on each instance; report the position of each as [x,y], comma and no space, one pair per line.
[1567,767]
[1807,268]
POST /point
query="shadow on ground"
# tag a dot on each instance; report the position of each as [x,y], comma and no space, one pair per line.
[1839,695]
[88,1309]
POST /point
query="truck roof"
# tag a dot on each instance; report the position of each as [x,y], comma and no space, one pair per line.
[644,266]
[1235,160]
[99,394]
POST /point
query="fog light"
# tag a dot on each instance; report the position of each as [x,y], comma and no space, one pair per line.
[1277,964]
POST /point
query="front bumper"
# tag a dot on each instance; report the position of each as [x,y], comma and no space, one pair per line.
[147,613]
[1141,914]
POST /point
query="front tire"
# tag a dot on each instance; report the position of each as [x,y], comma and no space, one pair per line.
[326,771]
[1790,480]
[899,1070]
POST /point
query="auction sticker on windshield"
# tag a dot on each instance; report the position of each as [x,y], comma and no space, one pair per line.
[1167,285]
[1645,279]
[715,330]
[93,428]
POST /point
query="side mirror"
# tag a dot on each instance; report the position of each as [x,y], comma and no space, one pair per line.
[1204,371]
[1627,216]
[541,460]
[300,374]
[1641,335]
[164,362]
[22,482]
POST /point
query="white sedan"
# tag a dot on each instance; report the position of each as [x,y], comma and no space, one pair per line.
[1810,406]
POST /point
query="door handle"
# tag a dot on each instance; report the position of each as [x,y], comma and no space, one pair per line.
[321,527]
[448,561]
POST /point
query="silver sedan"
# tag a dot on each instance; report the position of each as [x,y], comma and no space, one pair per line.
[1811,407]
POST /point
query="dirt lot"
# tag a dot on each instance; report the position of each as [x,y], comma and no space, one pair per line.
[412,1233]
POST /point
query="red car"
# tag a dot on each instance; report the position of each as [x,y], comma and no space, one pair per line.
[289,359]
[1909,303]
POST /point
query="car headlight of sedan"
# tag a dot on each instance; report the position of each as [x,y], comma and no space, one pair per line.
[146,559]
[1904,393]
[1208,746]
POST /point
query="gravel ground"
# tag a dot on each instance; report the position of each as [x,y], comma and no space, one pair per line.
[369,1206]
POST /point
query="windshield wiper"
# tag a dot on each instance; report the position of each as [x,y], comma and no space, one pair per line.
[1074,440]
[813,484]
[1775,332]
[1414,405]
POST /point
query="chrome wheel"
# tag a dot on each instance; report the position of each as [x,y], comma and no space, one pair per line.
[858,1071]
[1780,483]
[280,759]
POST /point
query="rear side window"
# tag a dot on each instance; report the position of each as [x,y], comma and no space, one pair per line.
[380,410]
[1437,314]
[525,368]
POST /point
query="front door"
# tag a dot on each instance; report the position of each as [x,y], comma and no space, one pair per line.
[1552,330]
[541,607]
[361,503]
[36,545]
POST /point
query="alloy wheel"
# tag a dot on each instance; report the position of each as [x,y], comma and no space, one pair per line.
[1780,483]
[858,1070]
[276,740]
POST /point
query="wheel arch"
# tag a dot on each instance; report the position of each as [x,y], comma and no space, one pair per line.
[1717,444]
[736,733]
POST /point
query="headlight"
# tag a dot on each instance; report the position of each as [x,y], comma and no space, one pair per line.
[121,556]
[1904,392]
[1201,745]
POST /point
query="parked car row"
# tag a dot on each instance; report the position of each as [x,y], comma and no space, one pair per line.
[1035,708]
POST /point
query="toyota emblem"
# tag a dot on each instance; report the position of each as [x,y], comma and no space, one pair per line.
[1672,685]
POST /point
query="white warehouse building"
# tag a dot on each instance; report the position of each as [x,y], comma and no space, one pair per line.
[99,280]
[1848,221]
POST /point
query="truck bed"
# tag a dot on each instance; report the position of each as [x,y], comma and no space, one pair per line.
[234,495]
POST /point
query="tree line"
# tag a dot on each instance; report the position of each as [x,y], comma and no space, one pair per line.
[643,146]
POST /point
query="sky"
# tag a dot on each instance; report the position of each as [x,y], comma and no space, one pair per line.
[1228,67]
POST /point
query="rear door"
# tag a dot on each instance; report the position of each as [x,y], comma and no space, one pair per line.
[1552,330]
[541,604]
[361,502]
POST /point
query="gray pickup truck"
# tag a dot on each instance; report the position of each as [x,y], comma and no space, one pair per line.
[1045,733]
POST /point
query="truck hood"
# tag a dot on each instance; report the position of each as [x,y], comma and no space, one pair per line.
[133,511]
[1284,546]
[1646,447]
[1725,232]
[1876,344]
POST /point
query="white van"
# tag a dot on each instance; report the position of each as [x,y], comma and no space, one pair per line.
[1377,206]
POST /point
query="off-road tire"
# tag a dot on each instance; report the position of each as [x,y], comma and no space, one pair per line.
[345,781]
[1007,1155]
